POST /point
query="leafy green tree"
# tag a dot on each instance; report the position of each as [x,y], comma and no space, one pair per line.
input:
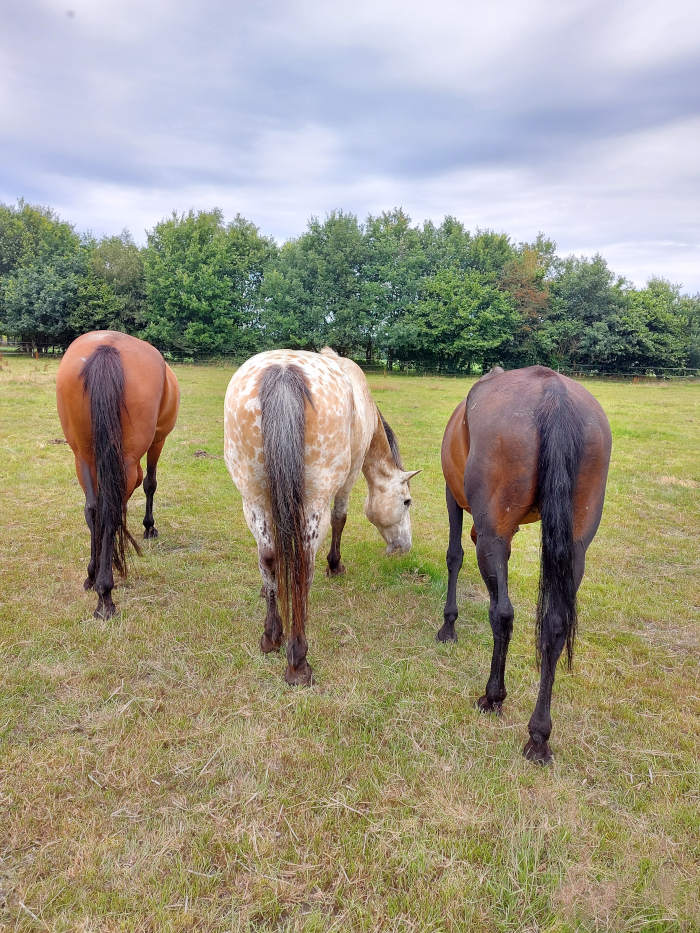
[32,234]
[652,328]
[336,251]
[395,264]
[12,234]
[690,312]
[314,294]
[39,300]
[289,316]
[202,279]
[490,253]
[117,262]
[585,312]
[461,321]
[44,264]
[95,307]
[525,278]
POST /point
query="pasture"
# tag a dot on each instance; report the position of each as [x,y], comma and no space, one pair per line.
[156,773]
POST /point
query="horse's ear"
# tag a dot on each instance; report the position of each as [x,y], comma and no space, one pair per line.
[409,474]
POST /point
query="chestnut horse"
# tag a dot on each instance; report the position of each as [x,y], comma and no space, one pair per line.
[117,400]
[526,445]
[298,428]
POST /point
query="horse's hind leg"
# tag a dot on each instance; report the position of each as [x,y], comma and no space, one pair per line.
[552,641]
[455,556]
[150,485]
[104,580]
[299,672]
[492,553]
[271,639]
[338,519]
[90,518]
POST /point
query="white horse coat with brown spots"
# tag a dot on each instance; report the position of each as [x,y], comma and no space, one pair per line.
[343,433]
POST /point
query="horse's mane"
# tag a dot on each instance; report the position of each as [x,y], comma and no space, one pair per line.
[393,443]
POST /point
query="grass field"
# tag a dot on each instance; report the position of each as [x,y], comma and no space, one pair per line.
[156,773]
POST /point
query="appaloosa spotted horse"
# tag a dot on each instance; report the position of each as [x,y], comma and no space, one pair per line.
[298,428]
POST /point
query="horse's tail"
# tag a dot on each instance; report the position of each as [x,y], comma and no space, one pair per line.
[561,430]
[283,393]
[103,381]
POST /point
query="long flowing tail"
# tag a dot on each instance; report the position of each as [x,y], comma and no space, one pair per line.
[283,393]
[560,429]
[103,381]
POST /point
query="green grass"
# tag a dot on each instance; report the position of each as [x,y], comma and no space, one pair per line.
[157,774]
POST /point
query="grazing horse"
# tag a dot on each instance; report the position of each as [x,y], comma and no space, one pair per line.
[525,445]
[117,400]
[298,428]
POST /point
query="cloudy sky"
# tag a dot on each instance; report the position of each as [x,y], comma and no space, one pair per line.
[579,118]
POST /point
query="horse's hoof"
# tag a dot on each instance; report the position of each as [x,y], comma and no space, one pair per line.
[268,644]
[301,676]
[446,633]
[151,532]
[89,583]
[105,612]
[336,571]
[539,752]
[489,706]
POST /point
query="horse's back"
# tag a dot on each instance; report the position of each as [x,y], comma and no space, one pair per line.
[144,380]
[501,441]
[328,422]
[501,408]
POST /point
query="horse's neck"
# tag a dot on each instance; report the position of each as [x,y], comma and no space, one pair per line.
[379,460]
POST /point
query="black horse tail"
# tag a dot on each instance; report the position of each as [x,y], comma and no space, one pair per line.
[561,432]
[103,381]
[283,393]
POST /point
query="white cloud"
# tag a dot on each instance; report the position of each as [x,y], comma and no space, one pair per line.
[579,119]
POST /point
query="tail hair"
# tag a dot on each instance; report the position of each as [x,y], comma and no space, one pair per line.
[283,394]
[103,382]
[561,432]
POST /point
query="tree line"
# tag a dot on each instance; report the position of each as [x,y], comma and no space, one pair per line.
[433,296]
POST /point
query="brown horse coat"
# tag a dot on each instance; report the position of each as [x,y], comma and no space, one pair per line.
[524,446]
[117,400]
[502,405]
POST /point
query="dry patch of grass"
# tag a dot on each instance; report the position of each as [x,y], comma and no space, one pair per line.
[157,774]
[685,482]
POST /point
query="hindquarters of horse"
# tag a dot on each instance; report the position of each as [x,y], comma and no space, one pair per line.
[491,447]
[328,426]
[150,399]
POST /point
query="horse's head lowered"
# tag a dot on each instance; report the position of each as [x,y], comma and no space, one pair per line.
[387,506]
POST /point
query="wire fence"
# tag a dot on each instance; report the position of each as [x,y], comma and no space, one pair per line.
[411,367]
[429,368]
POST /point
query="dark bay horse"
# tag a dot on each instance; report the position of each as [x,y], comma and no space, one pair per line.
[524,446]
[298,429]
[117,400]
